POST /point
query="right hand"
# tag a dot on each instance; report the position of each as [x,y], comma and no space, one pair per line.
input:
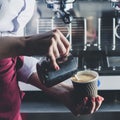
[52,44]
[59,47]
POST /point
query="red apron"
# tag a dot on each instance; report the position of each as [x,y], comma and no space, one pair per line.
[10,94]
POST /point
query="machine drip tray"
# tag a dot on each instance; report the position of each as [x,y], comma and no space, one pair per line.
[113,61]
[92,60]
[99,61]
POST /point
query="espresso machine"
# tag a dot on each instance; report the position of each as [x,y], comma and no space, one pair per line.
[93,30]
[97,47]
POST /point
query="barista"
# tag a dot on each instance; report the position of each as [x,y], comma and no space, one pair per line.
[17,65]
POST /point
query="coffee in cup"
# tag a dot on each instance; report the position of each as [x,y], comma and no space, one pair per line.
[85,83]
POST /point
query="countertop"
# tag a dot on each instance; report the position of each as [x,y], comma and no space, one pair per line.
[39,102]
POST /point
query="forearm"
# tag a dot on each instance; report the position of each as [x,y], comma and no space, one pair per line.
[37,44]
[55,91]
[26,45]
[11,46]
[34,80]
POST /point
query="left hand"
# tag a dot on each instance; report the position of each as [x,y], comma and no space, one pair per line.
[85,106]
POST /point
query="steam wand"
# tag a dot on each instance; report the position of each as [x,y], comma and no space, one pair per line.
[65,15]
[61,9]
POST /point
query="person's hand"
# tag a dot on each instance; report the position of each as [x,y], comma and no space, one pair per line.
[59,47]
[52,44]
[88,105]
[85,106]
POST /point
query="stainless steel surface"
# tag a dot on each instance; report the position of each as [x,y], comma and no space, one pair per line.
[65,116]
[113,61]
[116,5]
[74,32]
[47,108]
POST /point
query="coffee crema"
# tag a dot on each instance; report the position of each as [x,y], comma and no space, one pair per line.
[83,78]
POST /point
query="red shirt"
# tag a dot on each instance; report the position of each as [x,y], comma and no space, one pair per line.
[10,94]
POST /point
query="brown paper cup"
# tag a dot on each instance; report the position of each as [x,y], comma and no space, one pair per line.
[85,85]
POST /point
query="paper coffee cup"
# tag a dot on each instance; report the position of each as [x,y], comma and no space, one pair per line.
[85,83]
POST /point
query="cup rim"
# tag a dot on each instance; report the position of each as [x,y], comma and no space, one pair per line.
[87,72]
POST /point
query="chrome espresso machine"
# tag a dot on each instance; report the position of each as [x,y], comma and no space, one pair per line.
[93,30]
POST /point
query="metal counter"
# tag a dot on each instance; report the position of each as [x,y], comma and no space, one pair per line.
[37,105]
